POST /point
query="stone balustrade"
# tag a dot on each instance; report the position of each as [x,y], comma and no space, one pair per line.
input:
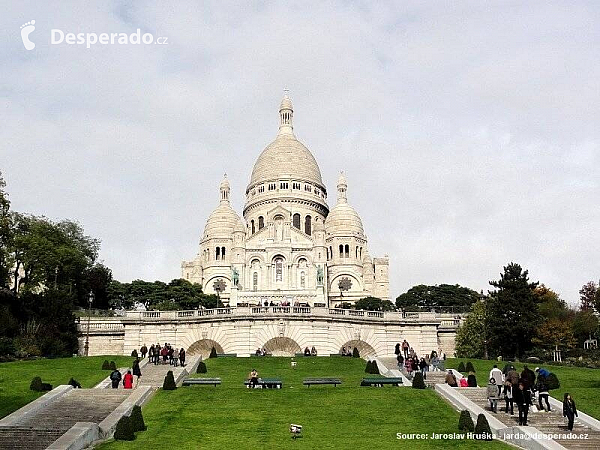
[447,320]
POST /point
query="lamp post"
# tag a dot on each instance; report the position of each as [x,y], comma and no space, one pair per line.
[86,348]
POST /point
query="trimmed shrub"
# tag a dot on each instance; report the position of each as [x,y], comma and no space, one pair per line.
[124,430]
[213,353]
[73,382]
[418,382]
[201,367]
[483,429]
[112,366]
[169,383]
[46,387]
[355,353]
[461,367]
[374,368]
[469,367]
[368,367]
[134,353]
[552,381]
[137,420]
[465,422]
[36,384]
[105,365]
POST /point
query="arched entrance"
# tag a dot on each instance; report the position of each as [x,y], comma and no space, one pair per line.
[282,346]
[203,347]
[365,350]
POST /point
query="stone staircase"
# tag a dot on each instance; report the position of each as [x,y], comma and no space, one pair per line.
[40,428]
[437,377]
[545,422]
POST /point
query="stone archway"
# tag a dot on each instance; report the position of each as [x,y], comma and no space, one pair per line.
[364,349]
[282,346]
[203,347]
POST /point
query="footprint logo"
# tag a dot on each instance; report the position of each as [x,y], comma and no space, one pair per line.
[26,30]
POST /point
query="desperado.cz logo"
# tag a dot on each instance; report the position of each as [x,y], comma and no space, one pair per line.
[58,37]
[89,39]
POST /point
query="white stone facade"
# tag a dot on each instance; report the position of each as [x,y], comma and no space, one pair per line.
[290,247]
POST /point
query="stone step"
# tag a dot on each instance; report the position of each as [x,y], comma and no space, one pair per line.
[79,405]
[22,438]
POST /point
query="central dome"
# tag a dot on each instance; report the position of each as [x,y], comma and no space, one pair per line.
[286,158]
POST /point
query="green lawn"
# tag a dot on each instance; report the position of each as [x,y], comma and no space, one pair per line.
[582,383]
[15,377]
[231,416]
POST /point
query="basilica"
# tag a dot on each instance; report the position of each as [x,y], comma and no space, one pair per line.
[289,248]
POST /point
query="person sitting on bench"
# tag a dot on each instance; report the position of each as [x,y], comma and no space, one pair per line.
[313,351]
[306,352]
[253,378]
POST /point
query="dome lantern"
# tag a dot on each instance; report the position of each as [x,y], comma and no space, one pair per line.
[342,187]
[224,190]
[286,114]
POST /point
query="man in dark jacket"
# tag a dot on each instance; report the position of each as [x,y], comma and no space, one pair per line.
[522,397]
[115,378]
[541,386]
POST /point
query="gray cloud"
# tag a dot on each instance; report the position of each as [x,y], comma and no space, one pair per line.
[468,132]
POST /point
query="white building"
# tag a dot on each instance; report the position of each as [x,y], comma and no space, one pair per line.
[290,247]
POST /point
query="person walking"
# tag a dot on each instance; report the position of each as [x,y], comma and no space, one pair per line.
[523,398]
[175,356]
[496,374]
[137,371]
[143,351]
[424,367]
[541,387]
[115,378]
[569,410]
[397,349]
[405,347]
[492,393]
[508,396]
[182,357]
[128,380]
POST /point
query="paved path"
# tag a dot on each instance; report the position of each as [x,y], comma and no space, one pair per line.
[552,422]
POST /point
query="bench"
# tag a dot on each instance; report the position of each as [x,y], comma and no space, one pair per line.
[381,381]
[267,383]
[193,381]
[226,355]
[309,381]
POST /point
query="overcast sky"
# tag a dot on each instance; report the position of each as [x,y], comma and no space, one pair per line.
[468,131]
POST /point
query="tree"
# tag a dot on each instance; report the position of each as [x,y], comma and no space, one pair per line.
[511,313]
[587,295]
[374,304]
[471,334]
[445,295]
[550,305]
[585,325]
[5,234]
[554,333]
[45,254]
[98,279]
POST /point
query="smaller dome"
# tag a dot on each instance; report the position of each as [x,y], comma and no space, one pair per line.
[343,220]
[222,222]
[225,183]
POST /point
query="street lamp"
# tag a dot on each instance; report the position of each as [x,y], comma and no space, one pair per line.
[219,286]
[86,348]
